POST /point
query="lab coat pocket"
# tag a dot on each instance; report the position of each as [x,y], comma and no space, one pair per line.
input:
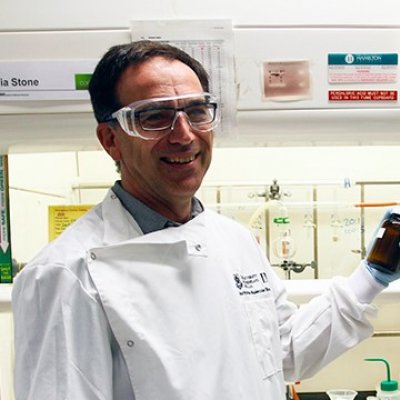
[265,335]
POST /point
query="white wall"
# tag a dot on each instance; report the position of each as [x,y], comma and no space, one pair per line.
[54,14]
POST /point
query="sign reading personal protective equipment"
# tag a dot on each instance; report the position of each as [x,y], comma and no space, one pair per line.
[45,80]
[362,68]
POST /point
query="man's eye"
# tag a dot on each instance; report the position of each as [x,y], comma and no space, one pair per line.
[155,117]
[201,112]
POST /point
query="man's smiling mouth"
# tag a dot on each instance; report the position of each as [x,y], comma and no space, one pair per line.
[179,160]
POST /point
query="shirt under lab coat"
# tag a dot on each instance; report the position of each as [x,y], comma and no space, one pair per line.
[193,312]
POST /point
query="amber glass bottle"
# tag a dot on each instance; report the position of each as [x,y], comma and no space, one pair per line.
[385,250]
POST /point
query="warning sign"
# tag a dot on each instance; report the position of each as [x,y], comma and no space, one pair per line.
[362,95]
[362,68]
[60,217]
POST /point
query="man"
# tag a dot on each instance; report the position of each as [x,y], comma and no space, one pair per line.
[151,297]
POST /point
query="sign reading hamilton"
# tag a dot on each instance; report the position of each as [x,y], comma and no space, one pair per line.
[366,68]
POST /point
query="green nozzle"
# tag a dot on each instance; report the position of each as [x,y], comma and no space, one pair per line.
[388,385]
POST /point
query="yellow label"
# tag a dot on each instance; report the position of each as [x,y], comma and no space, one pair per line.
[60,217]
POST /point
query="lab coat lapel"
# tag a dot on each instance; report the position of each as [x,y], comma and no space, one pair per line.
[149,287]
[119,224]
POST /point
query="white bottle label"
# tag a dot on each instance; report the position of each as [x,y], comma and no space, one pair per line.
[380,233]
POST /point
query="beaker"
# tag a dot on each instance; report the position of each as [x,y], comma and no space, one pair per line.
[341,394]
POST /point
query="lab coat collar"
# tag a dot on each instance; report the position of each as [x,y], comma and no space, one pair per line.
[120,226]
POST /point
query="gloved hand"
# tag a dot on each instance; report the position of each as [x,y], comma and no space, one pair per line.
[384,278]
[381,277]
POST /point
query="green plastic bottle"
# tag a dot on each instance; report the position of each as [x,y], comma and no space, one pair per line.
[388,389]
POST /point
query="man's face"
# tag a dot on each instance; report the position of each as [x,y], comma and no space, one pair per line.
[163,173]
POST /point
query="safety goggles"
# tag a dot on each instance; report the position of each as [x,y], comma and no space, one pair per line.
[151,119]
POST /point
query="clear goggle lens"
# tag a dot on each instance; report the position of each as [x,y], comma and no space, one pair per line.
[154,118]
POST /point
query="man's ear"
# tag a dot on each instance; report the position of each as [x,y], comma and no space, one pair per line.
[107,136]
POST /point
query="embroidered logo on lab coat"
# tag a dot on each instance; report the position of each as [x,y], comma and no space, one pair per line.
[251,284]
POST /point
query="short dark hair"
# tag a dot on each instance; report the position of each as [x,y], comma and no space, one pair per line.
[102,85]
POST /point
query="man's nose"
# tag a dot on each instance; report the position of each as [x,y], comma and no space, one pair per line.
[181,130]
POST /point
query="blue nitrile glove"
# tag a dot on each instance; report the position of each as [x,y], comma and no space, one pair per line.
[382,277]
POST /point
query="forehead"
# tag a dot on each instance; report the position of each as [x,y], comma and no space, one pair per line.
[157,77]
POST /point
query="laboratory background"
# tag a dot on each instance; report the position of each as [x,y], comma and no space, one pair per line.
[307,155]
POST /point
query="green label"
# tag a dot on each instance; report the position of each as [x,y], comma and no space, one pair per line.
[281,220]
[6,273]
[363,59]
[82,81]
[5,245]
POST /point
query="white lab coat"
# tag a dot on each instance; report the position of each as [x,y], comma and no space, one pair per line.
[187,313]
